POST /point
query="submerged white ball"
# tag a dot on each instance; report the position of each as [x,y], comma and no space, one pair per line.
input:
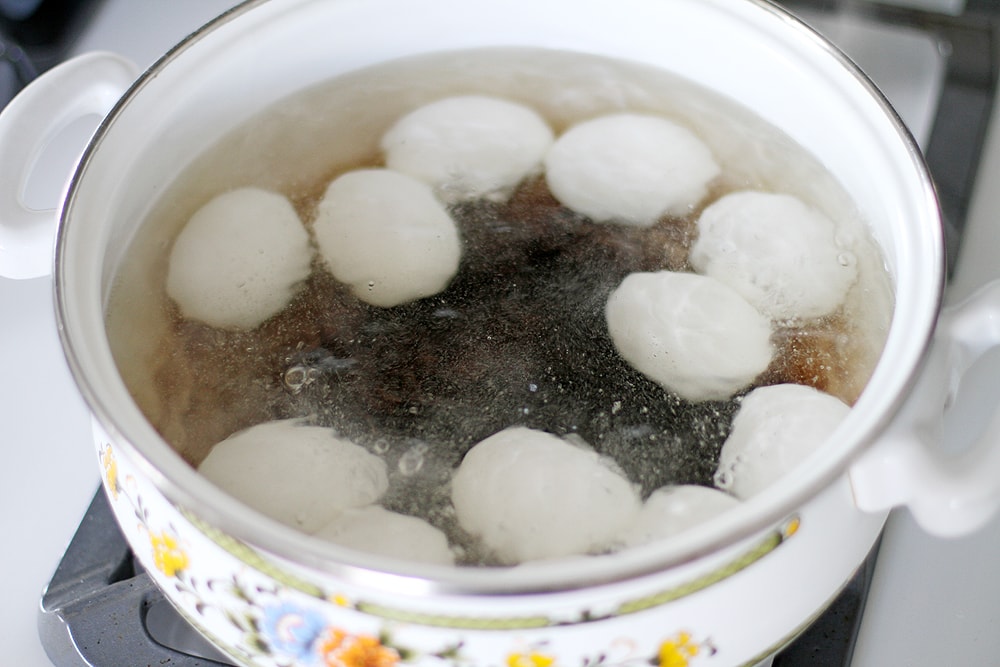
[302,476]
[629,168]
[468,146]
[776,251]
[531,495]
[775,429]
[376,530]
[673,509]
[387,236]
[239,259]
[691,334]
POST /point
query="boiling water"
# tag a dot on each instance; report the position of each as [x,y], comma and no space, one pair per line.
[519,336]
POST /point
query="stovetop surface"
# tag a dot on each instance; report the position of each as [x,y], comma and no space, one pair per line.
[932,602]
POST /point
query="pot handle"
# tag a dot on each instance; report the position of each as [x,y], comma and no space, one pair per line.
[87,85]
[948,493]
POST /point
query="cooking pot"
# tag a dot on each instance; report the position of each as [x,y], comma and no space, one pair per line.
[728,592]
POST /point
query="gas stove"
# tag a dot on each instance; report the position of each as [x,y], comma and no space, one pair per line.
[918,601]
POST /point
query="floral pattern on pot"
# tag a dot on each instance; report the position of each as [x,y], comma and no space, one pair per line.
[251,557]
[262,615]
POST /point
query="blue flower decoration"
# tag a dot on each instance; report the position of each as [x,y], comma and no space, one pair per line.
[292,630]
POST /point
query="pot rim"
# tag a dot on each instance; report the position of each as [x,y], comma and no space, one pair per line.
[183,486]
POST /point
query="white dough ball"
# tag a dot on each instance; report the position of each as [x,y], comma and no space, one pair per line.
[239,259]
[629,168]
[386,235]
[376,530]
[531,495]
[468,146]
[673,509]
[691,334]
[302,476]
[775,429]
[780,254]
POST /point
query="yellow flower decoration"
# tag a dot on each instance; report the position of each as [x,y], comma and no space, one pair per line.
[530,660]
[677,651]
[340,649]
[110,466]
[791,527]
[167,554]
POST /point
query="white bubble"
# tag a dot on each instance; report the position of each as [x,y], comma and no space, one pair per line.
[295,378]
[412,461]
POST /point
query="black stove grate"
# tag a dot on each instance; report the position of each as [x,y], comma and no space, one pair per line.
[95,609]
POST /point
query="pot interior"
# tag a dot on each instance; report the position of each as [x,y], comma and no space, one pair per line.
[262,52]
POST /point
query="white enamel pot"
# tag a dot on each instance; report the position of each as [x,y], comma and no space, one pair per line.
[734,589]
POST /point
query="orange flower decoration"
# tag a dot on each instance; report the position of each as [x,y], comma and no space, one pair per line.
[340,649]
[167,554]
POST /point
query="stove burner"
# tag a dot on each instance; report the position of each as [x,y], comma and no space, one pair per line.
[101,608]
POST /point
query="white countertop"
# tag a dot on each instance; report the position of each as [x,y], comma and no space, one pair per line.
[933,602]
